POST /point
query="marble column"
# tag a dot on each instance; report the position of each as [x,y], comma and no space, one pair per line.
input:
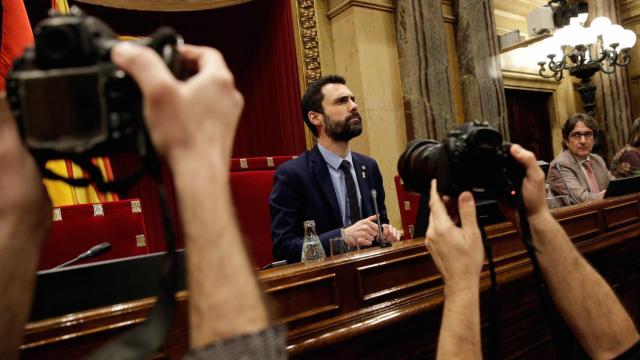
[424,69]
[613,101]
[479,64]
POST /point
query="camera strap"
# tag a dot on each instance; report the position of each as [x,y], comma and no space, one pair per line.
[119,186]
[494,305]
[560,334]
[148,337]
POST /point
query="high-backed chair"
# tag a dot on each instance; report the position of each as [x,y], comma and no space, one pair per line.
[77,228]
[251,183]
[408,203]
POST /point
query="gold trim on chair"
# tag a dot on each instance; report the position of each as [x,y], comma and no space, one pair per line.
[98,210]
[57,214]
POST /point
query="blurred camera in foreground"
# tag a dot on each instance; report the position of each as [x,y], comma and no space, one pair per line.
[68,97]
[472,157]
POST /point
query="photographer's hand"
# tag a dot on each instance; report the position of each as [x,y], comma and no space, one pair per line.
[459,255]
[192,123]
[25,217]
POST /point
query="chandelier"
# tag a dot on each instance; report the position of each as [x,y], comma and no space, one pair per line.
[584,51]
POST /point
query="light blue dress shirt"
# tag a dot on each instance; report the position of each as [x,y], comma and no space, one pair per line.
[337,178]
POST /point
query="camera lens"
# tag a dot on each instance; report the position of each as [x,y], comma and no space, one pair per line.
[419,163]
[56,43]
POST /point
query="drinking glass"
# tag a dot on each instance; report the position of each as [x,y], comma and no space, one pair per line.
[342,245]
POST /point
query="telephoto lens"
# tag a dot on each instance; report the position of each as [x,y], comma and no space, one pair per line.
[472,157]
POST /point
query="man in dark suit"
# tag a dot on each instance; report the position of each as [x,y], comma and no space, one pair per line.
[329,184]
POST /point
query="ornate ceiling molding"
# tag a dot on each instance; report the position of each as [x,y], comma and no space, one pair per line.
[165,5]
[368,4]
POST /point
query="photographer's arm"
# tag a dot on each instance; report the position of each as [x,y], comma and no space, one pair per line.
[25,217]
[448,244]
[192,124]
[582,296]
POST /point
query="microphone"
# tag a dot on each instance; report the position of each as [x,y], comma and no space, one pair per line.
[381,242]
[93,252]
[557,166]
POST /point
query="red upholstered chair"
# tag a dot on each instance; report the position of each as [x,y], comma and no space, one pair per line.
[251,183]
[408,203]
[77,228]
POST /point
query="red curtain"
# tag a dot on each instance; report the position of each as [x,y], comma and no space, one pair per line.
[257,40]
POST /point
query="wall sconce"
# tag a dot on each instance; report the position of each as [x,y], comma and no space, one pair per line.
[585,51]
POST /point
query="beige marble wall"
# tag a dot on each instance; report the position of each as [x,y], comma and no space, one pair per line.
[357,40]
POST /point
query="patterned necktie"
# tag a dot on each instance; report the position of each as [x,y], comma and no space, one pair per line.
[352,207]
[593,183]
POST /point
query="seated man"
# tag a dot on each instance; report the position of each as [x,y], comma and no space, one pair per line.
[576,171]
[329,184]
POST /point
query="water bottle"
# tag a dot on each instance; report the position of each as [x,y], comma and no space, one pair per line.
[551,201]
[312,250]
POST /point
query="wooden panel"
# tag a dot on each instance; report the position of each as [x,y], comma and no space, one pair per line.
[581,226]
[291,300]
[621,215]
[392,278]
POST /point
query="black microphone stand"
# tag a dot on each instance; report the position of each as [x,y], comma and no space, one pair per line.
[93,252]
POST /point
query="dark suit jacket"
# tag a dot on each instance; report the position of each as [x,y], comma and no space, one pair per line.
[302,190]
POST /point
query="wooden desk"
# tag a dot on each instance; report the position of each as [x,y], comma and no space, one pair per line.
[387,303]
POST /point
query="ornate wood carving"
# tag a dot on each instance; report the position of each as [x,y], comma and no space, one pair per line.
[424,69]
[386,303]
[165,5]
[309,36]
[479,63]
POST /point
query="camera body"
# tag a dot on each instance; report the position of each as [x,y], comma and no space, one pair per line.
[473,158]
[67,96]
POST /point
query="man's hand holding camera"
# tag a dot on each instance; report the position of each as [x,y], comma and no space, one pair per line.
[459,255]
[192,124]
[196,117]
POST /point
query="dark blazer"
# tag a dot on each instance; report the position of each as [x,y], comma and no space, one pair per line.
[302,190]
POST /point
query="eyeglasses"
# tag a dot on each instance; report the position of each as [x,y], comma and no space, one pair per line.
[578,135]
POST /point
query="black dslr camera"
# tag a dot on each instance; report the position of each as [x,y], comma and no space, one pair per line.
[70,100]
[473,158]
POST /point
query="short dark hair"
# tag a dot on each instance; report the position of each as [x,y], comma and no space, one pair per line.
[571,123]
[312,99]
[634,136]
